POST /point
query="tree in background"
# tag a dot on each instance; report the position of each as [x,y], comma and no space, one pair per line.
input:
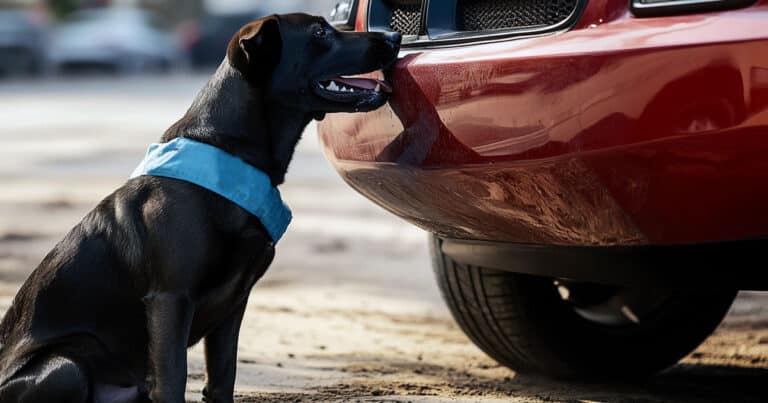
[60,8]
[174,11]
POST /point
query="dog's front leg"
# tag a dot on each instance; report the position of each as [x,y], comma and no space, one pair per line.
[169,317]
[221,359]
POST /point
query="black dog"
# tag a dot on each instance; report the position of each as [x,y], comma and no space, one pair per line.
[161,263]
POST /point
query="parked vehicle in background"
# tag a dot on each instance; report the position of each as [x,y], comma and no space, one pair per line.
[207,39]
[594,173]
[119,39]
[22,42]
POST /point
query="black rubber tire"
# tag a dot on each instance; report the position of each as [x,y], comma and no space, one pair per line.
[522,322]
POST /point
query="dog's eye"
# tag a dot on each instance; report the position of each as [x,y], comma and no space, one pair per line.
[320,33]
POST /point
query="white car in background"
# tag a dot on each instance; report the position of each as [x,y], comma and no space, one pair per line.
[123,40]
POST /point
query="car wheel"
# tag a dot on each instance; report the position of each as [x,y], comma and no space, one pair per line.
[576,330]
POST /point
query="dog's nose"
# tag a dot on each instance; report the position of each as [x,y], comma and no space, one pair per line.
[394,39]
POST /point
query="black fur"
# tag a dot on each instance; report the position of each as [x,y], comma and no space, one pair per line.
[161,264]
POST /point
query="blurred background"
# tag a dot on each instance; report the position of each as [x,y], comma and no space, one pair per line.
[126,36]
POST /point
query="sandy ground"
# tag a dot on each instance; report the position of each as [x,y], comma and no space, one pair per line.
[349,310]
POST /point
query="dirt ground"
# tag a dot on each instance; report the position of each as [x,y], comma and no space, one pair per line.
[349,311]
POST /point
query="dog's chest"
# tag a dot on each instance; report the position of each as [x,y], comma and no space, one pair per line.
[228,286]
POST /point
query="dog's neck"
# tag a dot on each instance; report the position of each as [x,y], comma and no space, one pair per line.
[233,115]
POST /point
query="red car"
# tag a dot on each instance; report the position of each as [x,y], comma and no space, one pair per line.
[594,172]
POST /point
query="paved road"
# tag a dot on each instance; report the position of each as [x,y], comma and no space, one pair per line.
[349,310]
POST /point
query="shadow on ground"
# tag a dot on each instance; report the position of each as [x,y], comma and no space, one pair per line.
[682,383]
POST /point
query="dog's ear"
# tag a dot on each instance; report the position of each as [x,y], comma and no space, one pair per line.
[257,48]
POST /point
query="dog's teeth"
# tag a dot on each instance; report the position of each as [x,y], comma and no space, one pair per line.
[333,86]
[378,88]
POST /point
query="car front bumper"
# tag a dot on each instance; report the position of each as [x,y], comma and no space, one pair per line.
[624,131]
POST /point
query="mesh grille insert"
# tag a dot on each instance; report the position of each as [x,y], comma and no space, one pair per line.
[482,15]
[406,17]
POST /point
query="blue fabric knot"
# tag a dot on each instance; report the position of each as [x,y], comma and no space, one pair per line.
[222,173]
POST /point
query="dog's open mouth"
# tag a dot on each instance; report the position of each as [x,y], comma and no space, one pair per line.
[348,89]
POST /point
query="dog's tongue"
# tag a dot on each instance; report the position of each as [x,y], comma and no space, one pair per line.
[365,83]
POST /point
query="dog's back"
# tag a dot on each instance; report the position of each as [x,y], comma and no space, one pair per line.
[85,300]
[81,297]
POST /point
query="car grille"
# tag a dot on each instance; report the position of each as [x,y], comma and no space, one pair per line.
[483,15]
[406,17]
[428,23]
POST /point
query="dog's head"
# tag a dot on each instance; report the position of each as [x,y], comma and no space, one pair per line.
[302,62]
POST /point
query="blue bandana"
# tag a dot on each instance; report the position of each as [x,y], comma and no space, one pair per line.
[221,173]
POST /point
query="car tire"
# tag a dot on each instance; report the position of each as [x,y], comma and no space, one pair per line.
[525,323]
